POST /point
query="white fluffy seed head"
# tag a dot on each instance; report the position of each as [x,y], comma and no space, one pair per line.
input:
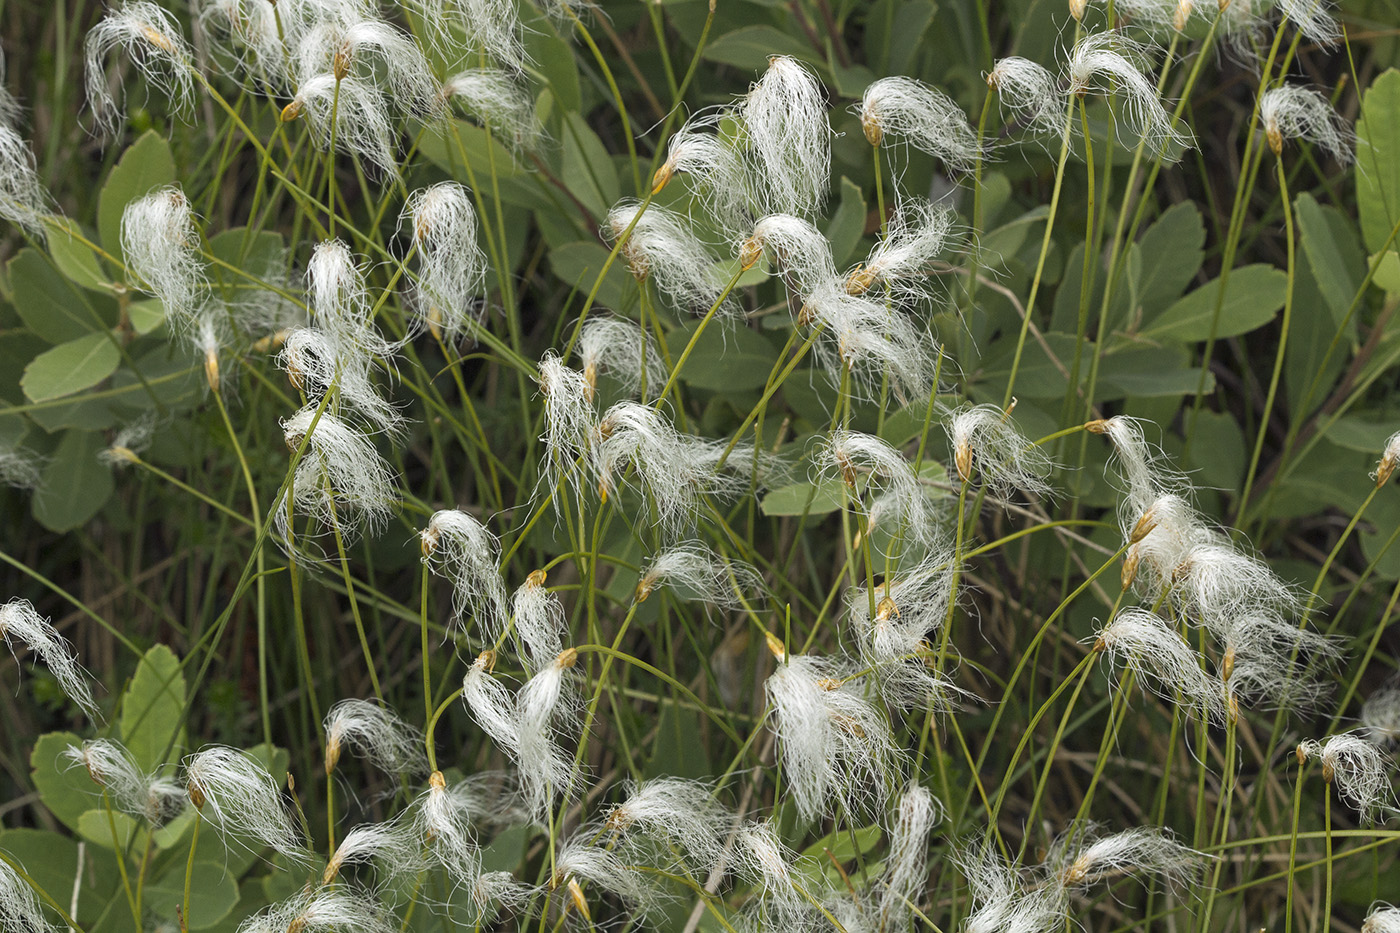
[318,363]
[1141,468]
[785,123]
[673,811]
[321,910]
[626,351]
[451,264]
[1390,458]
[796,246]
[20,623]
[20,910]
[340,479]
[20,468]
[837,749]
[491,704]
[150,37]
[1159,536]
[917,233]
[1380,714]
[1295,112]
[151,797]
[1314,19]
[1144,643]
[498,101]
[694,571]
[569,417]
[238,796]
[665,464]
[761,859]
[243,34]
[353,113]
[391,845]
[862,339]
[908,110]
[546,707]
[1383,918]
[160,240]
[906,867]
[23,199]
[1031,92]
[1111,64]
[442,823]
[867,464]
[1358,769]
[1216,583]
[539,621]
[663,248]
[1274,662]
[458,547]
[1085,858]
[376,733]
[133,438]
[1002,903]
[580,860]
[716,167]
[896,642]
[373,53]
[986,439]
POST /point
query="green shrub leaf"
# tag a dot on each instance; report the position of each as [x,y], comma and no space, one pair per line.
[145,166]
[70,367]
[1253,295]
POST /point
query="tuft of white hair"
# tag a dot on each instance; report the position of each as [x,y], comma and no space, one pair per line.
[927,119]
[340,479]
[1294,112]
[20,623]
[623,349]
[160,241]
[663,248]
[1111,64]
[693,571]
[985,439]
[1162,661]
[150,36]
[785,124]
[376,733]
[239,797]
[23,200]
[150,797]
[1359,770]
[458,547]
[451,263]
[498,101]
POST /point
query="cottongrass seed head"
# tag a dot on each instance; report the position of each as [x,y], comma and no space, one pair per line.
[241,799]
[451,264]
[1390,458]
[1359,770]
[986,440]
[442,822]
[546,708]
[375,733]
[322,910]
[796,247]
[1383,918]
[372,52]
[390,845]
[693,571]
[1314,19]
[761,859]
[498,101]
[341,479]
[663,248]
[837,750]
[151,797]
[491,704]
[1295,112]
[896,641]
[1111,64]
[160,241]
[539,621]
[716,167]
[20,910]
[353,113]
[1083,857]
[1154,651]
[868,464]
[458,547]
[906,866]
[580,860]
[1380,714]
[908,110]
[785,123]
[150,36]
[624,350]
[673,811]
[24,201]
[901,261]
[20,623]
[1002,903]
[1030,91]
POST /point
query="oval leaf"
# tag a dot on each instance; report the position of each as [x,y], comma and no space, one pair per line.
[145,166]
[70,367]
[1252,296]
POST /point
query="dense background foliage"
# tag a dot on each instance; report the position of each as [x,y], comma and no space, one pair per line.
[161,565]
